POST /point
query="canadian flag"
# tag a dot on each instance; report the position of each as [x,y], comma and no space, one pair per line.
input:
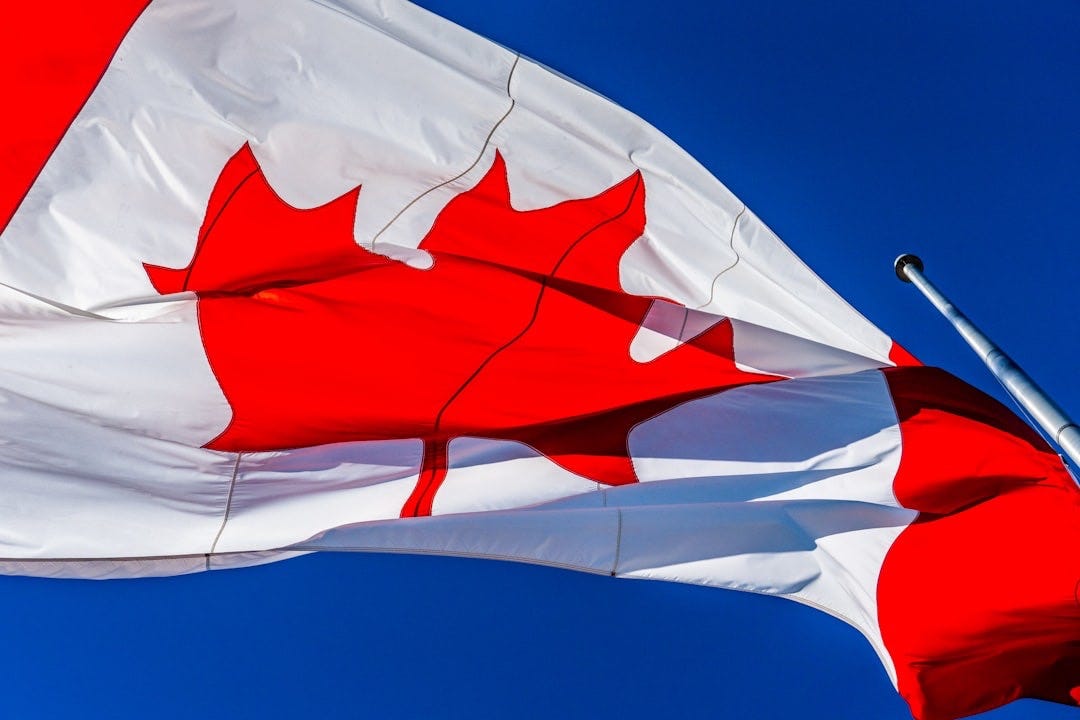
[344,276]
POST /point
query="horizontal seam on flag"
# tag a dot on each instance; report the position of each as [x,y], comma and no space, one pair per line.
[438,553]
[311,549]
[466,171]
[308,548]
[56,305]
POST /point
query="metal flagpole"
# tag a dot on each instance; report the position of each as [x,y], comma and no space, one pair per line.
[1045,411]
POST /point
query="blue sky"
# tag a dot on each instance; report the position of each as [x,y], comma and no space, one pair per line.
[855,132]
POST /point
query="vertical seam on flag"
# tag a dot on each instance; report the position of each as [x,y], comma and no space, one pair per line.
[682,328]
[618,542]
[228,508]
[738,257]
[429,489]
[466,171]
[544,285]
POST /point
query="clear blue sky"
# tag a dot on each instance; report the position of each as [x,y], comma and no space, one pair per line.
[945,129]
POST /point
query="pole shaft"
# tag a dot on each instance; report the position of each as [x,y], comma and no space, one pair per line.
[1050,417]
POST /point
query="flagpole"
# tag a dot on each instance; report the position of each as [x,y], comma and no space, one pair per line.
[1018,383]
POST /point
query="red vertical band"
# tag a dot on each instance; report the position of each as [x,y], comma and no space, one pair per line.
[977,599]
[53,55]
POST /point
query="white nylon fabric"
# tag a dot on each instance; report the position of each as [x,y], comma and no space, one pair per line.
[107,397]
[334,95]
[783,489]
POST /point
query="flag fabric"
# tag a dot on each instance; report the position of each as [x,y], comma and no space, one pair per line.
[344,276]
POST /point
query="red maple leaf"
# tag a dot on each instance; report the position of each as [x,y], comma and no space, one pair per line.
[520,330]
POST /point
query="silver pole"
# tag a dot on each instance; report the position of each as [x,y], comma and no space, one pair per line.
[1045,411]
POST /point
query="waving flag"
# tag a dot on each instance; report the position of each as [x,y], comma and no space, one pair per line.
[346,277]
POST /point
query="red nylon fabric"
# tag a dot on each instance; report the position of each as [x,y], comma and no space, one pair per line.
[518,331]
[977,599]
[54,56]
[901,357]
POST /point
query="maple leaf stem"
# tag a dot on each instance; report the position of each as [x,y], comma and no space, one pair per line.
[433,469]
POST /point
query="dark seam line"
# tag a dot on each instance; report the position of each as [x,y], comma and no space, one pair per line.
[731,246]
[536,306]
[618,543]
[682,328]
[228,508]
[712,285]
[463,173]
[531,322]
[308,547]
[71,122]
[313,548]
[210,228]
